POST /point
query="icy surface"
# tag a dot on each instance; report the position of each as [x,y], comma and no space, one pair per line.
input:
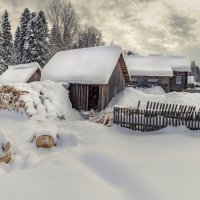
[156,65]
[19,73]
[87,65]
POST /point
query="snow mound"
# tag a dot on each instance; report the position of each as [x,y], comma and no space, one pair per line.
[130,98]
[46,129]
[46,100]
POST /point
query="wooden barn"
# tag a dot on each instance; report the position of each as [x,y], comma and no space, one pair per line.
[169,72]
[23,73]
[95,75]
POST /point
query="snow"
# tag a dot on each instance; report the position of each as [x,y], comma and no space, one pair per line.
[85,66]
[19,73]
[46,129]
[130,97]
[156,65]
[91,161]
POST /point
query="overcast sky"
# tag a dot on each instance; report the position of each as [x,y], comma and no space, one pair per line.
[144,26]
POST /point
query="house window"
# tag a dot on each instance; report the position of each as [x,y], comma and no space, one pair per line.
[152,82]
[178,80]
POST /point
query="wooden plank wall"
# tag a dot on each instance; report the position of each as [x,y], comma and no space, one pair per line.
[116,84]
[78,95]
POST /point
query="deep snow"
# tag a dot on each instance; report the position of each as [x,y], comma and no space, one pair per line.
[91,161]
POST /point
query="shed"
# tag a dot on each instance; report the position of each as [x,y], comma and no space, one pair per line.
[23,73]
[95,75]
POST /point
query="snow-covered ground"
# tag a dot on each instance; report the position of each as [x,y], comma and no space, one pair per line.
[91,161]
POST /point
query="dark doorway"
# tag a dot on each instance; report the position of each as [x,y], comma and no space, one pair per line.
[93,97]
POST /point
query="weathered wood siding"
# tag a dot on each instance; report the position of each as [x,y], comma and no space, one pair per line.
[79,96]
[35,77]
[116,84]
[178,87]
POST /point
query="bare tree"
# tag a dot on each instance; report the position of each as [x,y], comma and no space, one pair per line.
[90,37]
[62,15]
[53,10]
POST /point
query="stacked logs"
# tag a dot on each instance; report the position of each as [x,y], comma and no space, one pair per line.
[10,99]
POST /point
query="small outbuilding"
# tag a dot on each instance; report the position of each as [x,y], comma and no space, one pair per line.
[23,73]
[95,75]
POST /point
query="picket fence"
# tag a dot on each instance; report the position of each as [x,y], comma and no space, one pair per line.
[157,116]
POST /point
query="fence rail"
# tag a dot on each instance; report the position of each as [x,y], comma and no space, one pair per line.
[157,116]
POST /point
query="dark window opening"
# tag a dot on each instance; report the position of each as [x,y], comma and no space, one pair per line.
[93,97]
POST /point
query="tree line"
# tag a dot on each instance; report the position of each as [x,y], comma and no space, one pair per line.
[35,42]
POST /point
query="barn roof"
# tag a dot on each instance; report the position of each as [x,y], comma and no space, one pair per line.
[93,65]
[156,65]
[19,73]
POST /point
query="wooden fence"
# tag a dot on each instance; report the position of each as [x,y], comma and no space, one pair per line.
[157,116]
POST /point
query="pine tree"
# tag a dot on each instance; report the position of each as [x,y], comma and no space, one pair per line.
[55,41]
[2,63]
[17,45]
[30,43]
[41,31]
[8,50]
[24,21]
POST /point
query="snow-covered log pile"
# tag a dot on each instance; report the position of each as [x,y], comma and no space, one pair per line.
[106,119]
[10,99]
[40,100]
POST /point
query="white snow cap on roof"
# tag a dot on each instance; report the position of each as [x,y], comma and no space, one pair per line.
[19,73]
[92,65]
[156,65]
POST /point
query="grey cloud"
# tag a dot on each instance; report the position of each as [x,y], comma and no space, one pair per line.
[176,31]
[182,25]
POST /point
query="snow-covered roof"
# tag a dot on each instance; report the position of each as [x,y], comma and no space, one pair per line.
[92,65]
[19,73]
[156,65]
[191,80]
[179,63]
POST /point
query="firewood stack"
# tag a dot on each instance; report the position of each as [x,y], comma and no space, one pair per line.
[106,119]
[10,99]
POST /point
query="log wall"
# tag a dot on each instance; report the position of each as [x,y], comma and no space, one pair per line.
[142,81]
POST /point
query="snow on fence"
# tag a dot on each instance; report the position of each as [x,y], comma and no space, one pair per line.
[157,116]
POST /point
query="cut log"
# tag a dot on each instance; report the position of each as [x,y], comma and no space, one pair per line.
[6,157]
[45,141]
